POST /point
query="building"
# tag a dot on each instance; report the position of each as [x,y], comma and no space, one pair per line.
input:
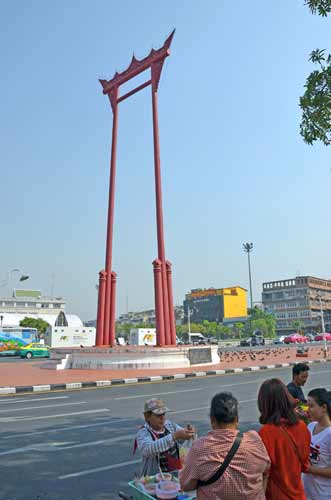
[145,317]
[223,305]
[298,299]
[32,304]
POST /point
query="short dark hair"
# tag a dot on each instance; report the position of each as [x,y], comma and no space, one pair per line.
[300,367]
[275,403]
[322,397]
[224,408]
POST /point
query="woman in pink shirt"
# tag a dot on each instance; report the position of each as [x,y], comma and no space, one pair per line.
[243,478]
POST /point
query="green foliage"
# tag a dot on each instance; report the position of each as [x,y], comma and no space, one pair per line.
[261,320]
[316,101]
[40,324]
[298,326]
[320,7]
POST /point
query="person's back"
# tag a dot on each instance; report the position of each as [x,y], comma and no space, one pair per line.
[243,478]
[286,439]
[288,448]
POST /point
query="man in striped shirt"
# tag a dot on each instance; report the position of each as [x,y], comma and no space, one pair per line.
[245,477]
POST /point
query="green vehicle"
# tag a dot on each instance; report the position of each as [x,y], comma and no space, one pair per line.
[34,350]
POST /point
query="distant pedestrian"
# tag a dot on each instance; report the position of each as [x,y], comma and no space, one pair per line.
[317,482]
[286,439]
[158,440]
[249,463]
[299,378]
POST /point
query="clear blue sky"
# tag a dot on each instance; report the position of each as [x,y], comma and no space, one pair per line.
[234,166]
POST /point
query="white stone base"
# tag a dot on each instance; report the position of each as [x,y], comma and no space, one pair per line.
[89,359]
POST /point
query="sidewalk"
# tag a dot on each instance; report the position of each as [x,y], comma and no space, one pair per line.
[30,377]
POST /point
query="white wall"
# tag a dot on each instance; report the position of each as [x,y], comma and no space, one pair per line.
[68,336]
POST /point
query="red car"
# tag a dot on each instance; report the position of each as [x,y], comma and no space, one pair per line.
[321,337]
[295,339]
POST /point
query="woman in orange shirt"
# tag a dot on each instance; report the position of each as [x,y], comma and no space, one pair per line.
[286,439]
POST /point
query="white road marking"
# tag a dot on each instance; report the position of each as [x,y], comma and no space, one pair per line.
[186,390]
[65,445]
[99,469]
[73,427]
[44,406]
[208,407]
[43,417]
[158,394]
[12,401]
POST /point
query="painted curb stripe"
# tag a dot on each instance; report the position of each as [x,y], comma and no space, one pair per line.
[154,378]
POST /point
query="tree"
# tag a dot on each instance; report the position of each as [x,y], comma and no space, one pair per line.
[40,324]
[316,101]
[320,7]
[261,320]
[298,326]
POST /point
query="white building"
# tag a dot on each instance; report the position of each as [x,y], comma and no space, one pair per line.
[32,304]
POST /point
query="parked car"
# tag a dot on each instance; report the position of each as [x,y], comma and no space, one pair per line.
[246,342]
[279,340]
[34,350]
[212,340]
[295,338]
[320,337]
[311,337]
[252,341]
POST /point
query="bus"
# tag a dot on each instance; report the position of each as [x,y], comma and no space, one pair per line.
[12,338]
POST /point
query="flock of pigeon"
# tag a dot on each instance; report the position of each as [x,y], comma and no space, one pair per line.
[280,353]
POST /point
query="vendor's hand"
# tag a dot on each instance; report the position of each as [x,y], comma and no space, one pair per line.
[184,434]
[190,427]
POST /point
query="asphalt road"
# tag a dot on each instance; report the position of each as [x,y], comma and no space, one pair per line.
[78,445]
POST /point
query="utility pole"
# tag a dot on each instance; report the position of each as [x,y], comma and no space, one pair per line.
[248,247]
[189,324]
[323,325]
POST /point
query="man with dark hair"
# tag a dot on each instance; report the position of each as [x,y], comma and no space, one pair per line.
[247,469]
[299,378]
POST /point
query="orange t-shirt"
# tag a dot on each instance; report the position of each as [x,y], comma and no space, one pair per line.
[285,473]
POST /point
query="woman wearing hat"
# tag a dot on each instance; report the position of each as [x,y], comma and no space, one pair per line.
[157,440]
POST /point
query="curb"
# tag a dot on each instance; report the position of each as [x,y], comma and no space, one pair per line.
[156,378]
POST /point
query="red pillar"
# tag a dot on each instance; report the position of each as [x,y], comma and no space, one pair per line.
[112,340]
[101,308]
[110,223]
[160,339]
[171,304]
[159,213]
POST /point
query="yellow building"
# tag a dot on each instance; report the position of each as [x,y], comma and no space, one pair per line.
[216,304]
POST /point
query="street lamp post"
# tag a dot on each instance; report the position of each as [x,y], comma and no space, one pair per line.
[5,282]
[248,247]
[189,324]
[323,325]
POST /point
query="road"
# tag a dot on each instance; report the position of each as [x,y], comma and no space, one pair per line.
[78,445]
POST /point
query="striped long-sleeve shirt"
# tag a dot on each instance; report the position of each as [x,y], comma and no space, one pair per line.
[150,449]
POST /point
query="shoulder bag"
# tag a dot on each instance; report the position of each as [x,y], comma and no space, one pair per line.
[220,471]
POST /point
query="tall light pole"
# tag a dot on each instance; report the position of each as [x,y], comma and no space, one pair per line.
[323,325]
[189,324]
[248,247]
[5,282]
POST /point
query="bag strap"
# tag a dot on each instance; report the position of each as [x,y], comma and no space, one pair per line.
[220,471]
[294,445]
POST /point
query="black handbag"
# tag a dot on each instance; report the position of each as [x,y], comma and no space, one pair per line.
[220,471]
